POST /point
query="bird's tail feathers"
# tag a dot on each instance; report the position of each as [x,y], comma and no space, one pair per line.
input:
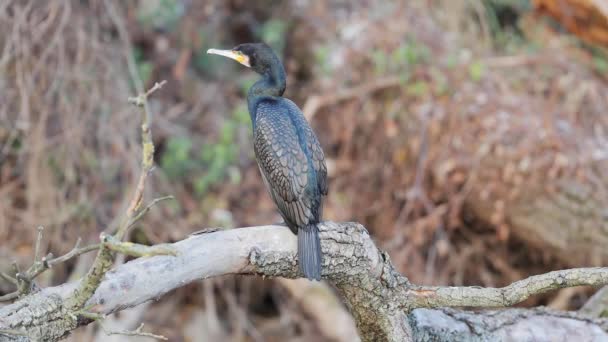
[309,252]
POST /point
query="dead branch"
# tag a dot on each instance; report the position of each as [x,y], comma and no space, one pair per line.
[104,258]
[24,281]
[316,102]
[517,292]
[135,249]
[136,332]
[381,300]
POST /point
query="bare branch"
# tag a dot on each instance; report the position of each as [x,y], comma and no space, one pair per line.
[316,102]
[135,249]
[517,292]
[9,296]
[8,278]
[136,332]
[142,212]
[76,251]
[48,261]
[38,241]
[140,100]
[25,280]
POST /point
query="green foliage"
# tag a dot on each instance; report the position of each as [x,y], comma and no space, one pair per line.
[163,14]
[144,67]
[16,143]
[210,164]
[476,71]
[380,60]
[402,59]
[418,88]
[176,159]
[501,17]
[54,165]
[600,64]
[321,54]
[451,61]
[273,32]
[439,81]
[411,53]
[246,82]
[241,115]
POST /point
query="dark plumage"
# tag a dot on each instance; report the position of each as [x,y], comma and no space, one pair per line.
[288,153]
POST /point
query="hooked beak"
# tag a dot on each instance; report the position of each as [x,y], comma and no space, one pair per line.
[236,55]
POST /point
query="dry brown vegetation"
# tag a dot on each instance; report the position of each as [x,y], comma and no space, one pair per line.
[475,156]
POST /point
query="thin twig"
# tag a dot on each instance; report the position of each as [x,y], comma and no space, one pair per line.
[25,280]
[128,49]
[105,257]
[140,100]
[48,261]
[147,208]
[76,251]
[16,269]
[8,278]
[136,332]
[38,242]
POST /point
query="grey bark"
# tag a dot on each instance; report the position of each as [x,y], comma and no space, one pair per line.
[385,306]
[518,325]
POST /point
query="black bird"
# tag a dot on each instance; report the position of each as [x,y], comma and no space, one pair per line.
[288,153]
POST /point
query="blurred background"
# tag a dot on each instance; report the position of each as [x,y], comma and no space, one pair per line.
[470,137]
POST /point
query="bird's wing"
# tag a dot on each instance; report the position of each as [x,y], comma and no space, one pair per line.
[283,163]
[318,158]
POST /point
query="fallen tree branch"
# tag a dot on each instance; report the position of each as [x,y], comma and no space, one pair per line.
[386,307]
[136,332]
[517,292]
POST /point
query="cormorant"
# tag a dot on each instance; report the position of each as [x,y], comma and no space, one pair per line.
[288,153]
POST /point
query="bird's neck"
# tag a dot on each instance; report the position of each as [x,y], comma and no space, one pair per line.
[272,83]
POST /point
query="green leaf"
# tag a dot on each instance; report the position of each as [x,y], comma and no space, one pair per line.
[476,71]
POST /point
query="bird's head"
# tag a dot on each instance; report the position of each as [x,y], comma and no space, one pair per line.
[257,56]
